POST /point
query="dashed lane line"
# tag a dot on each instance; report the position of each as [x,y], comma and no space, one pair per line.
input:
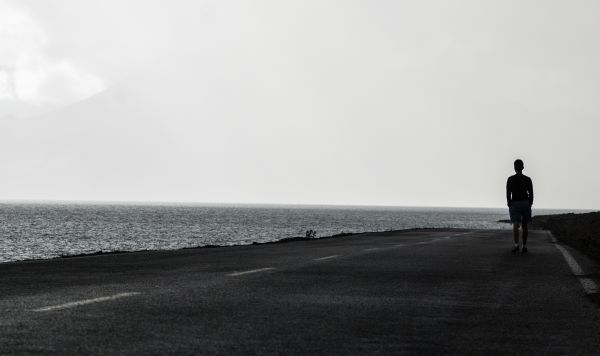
[234,274]
[447,237]
[373,249]
[85,302]
[421,243]
[326,258]
[588,284]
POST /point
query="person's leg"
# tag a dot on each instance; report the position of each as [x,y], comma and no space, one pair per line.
[525,233]
[516,236]
[526,221]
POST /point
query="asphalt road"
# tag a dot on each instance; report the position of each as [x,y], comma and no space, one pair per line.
[414,292]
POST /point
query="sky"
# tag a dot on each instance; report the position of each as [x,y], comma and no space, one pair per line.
[405,103]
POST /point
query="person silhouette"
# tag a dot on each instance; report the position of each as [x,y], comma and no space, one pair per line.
[519,197]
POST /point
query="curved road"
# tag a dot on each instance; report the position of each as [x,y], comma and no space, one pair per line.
[405,292]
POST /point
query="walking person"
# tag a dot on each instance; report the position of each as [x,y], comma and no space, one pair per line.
[519,197]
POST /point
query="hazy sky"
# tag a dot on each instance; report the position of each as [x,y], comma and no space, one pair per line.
[329,102]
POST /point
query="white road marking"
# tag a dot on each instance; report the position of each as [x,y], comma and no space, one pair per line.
[575,267]
[250,271]
[588,284]
[326,258]
[85,301]
[372,249]
[457,235]
[444,238]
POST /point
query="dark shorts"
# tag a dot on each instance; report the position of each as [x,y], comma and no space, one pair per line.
[520,211]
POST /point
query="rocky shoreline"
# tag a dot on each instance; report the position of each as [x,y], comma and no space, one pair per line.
[581,231]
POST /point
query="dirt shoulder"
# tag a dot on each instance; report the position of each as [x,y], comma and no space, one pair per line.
[581,231]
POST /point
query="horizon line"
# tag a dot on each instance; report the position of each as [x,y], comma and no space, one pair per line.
[162,202]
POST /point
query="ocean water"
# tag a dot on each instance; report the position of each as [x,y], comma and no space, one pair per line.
[39,231]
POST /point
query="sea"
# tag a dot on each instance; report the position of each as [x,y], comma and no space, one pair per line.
[49,230]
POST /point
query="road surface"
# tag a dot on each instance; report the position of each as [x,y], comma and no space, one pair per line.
[408,292]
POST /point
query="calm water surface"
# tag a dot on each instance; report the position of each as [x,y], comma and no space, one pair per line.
[34,231]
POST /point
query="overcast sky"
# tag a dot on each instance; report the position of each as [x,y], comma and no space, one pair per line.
[412,103]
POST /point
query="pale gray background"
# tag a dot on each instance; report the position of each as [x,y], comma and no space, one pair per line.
[421,103]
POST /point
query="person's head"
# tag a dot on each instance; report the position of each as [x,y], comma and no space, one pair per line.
[519,166]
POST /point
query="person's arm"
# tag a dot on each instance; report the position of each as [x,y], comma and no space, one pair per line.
[530,192]
[508,192]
